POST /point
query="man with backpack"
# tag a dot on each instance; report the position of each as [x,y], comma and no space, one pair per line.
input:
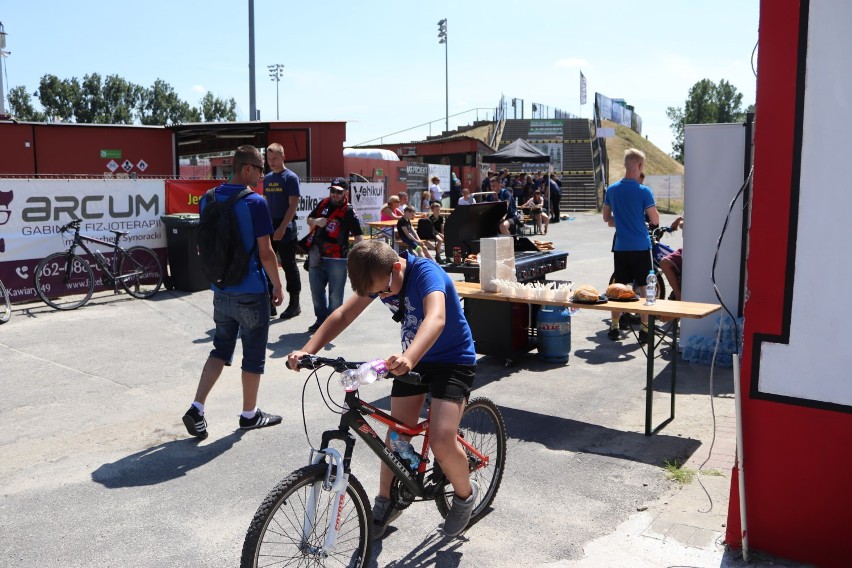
[237,255]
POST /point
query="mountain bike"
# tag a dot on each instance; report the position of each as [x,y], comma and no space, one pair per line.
[659,250]
[5,304]
[65,281]
[320,514]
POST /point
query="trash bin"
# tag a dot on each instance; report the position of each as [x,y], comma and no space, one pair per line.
[184,261]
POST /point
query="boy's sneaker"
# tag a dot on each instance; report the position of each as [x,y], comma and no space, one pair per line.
[460,512]
[627,320]
[260,420]
[383,514]
[195,422]
[643,336]
[613,334]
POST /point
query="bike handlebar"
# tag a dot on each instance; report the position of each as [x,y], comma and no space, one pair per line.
[340,364]
[75,224]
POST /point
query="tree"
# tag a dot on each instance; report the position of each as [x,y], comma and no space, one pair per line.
[121,98]
[214,109]
[161,105]
[58,97]
[707,103]
[21,105]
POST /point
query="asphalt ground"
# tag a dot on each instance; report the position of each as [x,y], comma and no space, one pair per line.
[96,468]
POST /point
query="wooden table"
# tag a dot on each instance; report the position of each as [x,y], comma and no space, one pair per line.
[663,308]
[384,228]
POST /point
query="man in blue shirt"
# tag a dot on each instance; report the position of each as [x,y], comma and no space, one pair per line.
[436,342]
[626,204]
[242,310]
[281,189]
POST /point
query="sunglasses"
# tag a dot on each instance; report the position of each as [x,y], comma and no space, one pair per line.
[259,168]
[387,290]
[337,191]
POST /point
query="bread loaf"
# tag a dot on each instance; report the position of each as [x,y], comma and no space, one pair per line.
[620,292]
[586,293]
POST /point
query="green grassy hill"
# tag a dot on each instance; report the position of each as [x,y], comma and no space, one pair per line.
[657,162]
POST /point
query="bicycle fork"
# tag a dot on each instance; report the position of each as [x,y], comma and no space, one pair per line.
[338,486]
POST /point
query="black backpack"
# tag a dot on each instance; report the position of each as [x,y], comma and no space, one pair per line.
[224,259]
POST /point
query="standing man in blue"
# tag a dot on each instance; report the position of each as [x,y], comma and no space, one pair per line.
[242,310]
[281,189]
[626,203]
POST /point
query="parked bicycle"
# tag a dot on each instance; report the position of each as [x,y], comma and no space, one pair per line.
[320,514]
[5,304]
[65,281]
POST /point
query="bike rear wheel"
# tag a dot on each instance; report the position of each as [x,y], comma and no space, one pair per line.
[140,272]
[64,281]
[482,427]
[5,304]
[280,534]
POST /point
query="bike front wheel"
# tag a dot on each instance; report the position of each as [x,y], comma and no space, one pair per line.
[64,281]
[481,426]
[5,304]
[140,272]
[288,531]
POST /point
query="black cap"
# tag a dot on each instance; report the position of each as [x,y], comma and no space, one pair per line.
[339,183]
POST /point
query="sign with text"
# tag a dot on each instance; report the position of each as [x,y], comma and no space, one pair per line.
[35,210]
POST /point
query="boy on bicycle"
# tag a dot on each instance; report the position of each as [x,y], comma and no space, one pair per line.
[436,342]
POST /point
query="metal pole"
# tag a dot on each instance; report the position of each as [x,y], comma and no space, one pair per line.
[252,101]
[2,57]
[447,83]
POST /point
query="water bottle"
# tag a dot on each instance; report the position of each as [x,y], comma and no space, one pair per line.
[404,449]
[651,289]
[367,373]
[101,257]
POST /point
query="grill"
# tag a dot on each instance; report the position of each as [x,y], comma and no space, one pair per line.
[467,224]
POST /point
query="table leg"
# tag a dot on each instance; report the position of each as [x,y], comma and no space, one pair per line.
[675,331]
[649,379]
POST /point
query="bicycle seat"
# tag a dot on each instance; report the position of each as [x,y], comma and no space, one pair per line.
[120,233]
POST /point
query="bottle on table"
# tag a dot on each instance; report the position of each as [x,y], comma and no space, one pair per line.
[651,289]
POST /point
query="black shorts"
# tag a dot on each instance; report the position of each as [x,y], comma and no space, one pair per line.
[632,266]
[446,381]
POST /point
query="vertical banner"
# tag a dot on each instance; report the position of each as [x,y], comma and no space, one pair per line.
[582,88]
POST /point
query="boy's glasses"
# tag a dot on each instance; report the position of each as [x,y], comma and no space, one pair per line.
[387,290]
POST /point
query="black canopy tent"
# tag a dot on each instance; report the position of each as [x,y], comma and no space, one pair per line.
[519,151]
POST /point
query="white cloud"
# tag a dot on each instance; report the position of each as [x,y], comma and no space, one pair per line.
[199,89]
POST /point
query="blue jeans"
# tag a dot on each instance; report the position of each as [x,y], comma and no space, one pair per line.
[246,315]
[332,273]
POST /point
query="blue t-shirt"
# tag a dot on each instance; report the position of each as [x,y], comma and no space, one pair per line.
[628,201]
[455,344]
[255,222]
[506,195]
[278,188]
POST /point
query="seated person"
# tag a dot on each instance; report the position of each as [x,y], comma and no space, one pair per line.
[672,264]
[536,207]
[390,210]
[407,235]
[466,199]
[434,235]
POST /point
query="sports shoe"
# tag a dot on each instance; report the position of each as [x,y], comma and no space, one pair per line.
[613,334]
[273,311]
[460,512]
[315,326]
[383,514]
[260,420]
[195,422]
[643,336]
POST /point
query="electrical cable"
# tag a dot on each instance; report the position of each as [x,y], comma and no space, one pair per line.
[719,330]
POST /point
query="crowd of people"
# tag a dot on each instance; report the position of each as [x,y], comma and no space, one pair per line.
[436,338]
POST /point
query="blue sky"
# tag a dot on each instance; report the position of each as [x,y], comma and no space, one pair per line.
[378,65]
